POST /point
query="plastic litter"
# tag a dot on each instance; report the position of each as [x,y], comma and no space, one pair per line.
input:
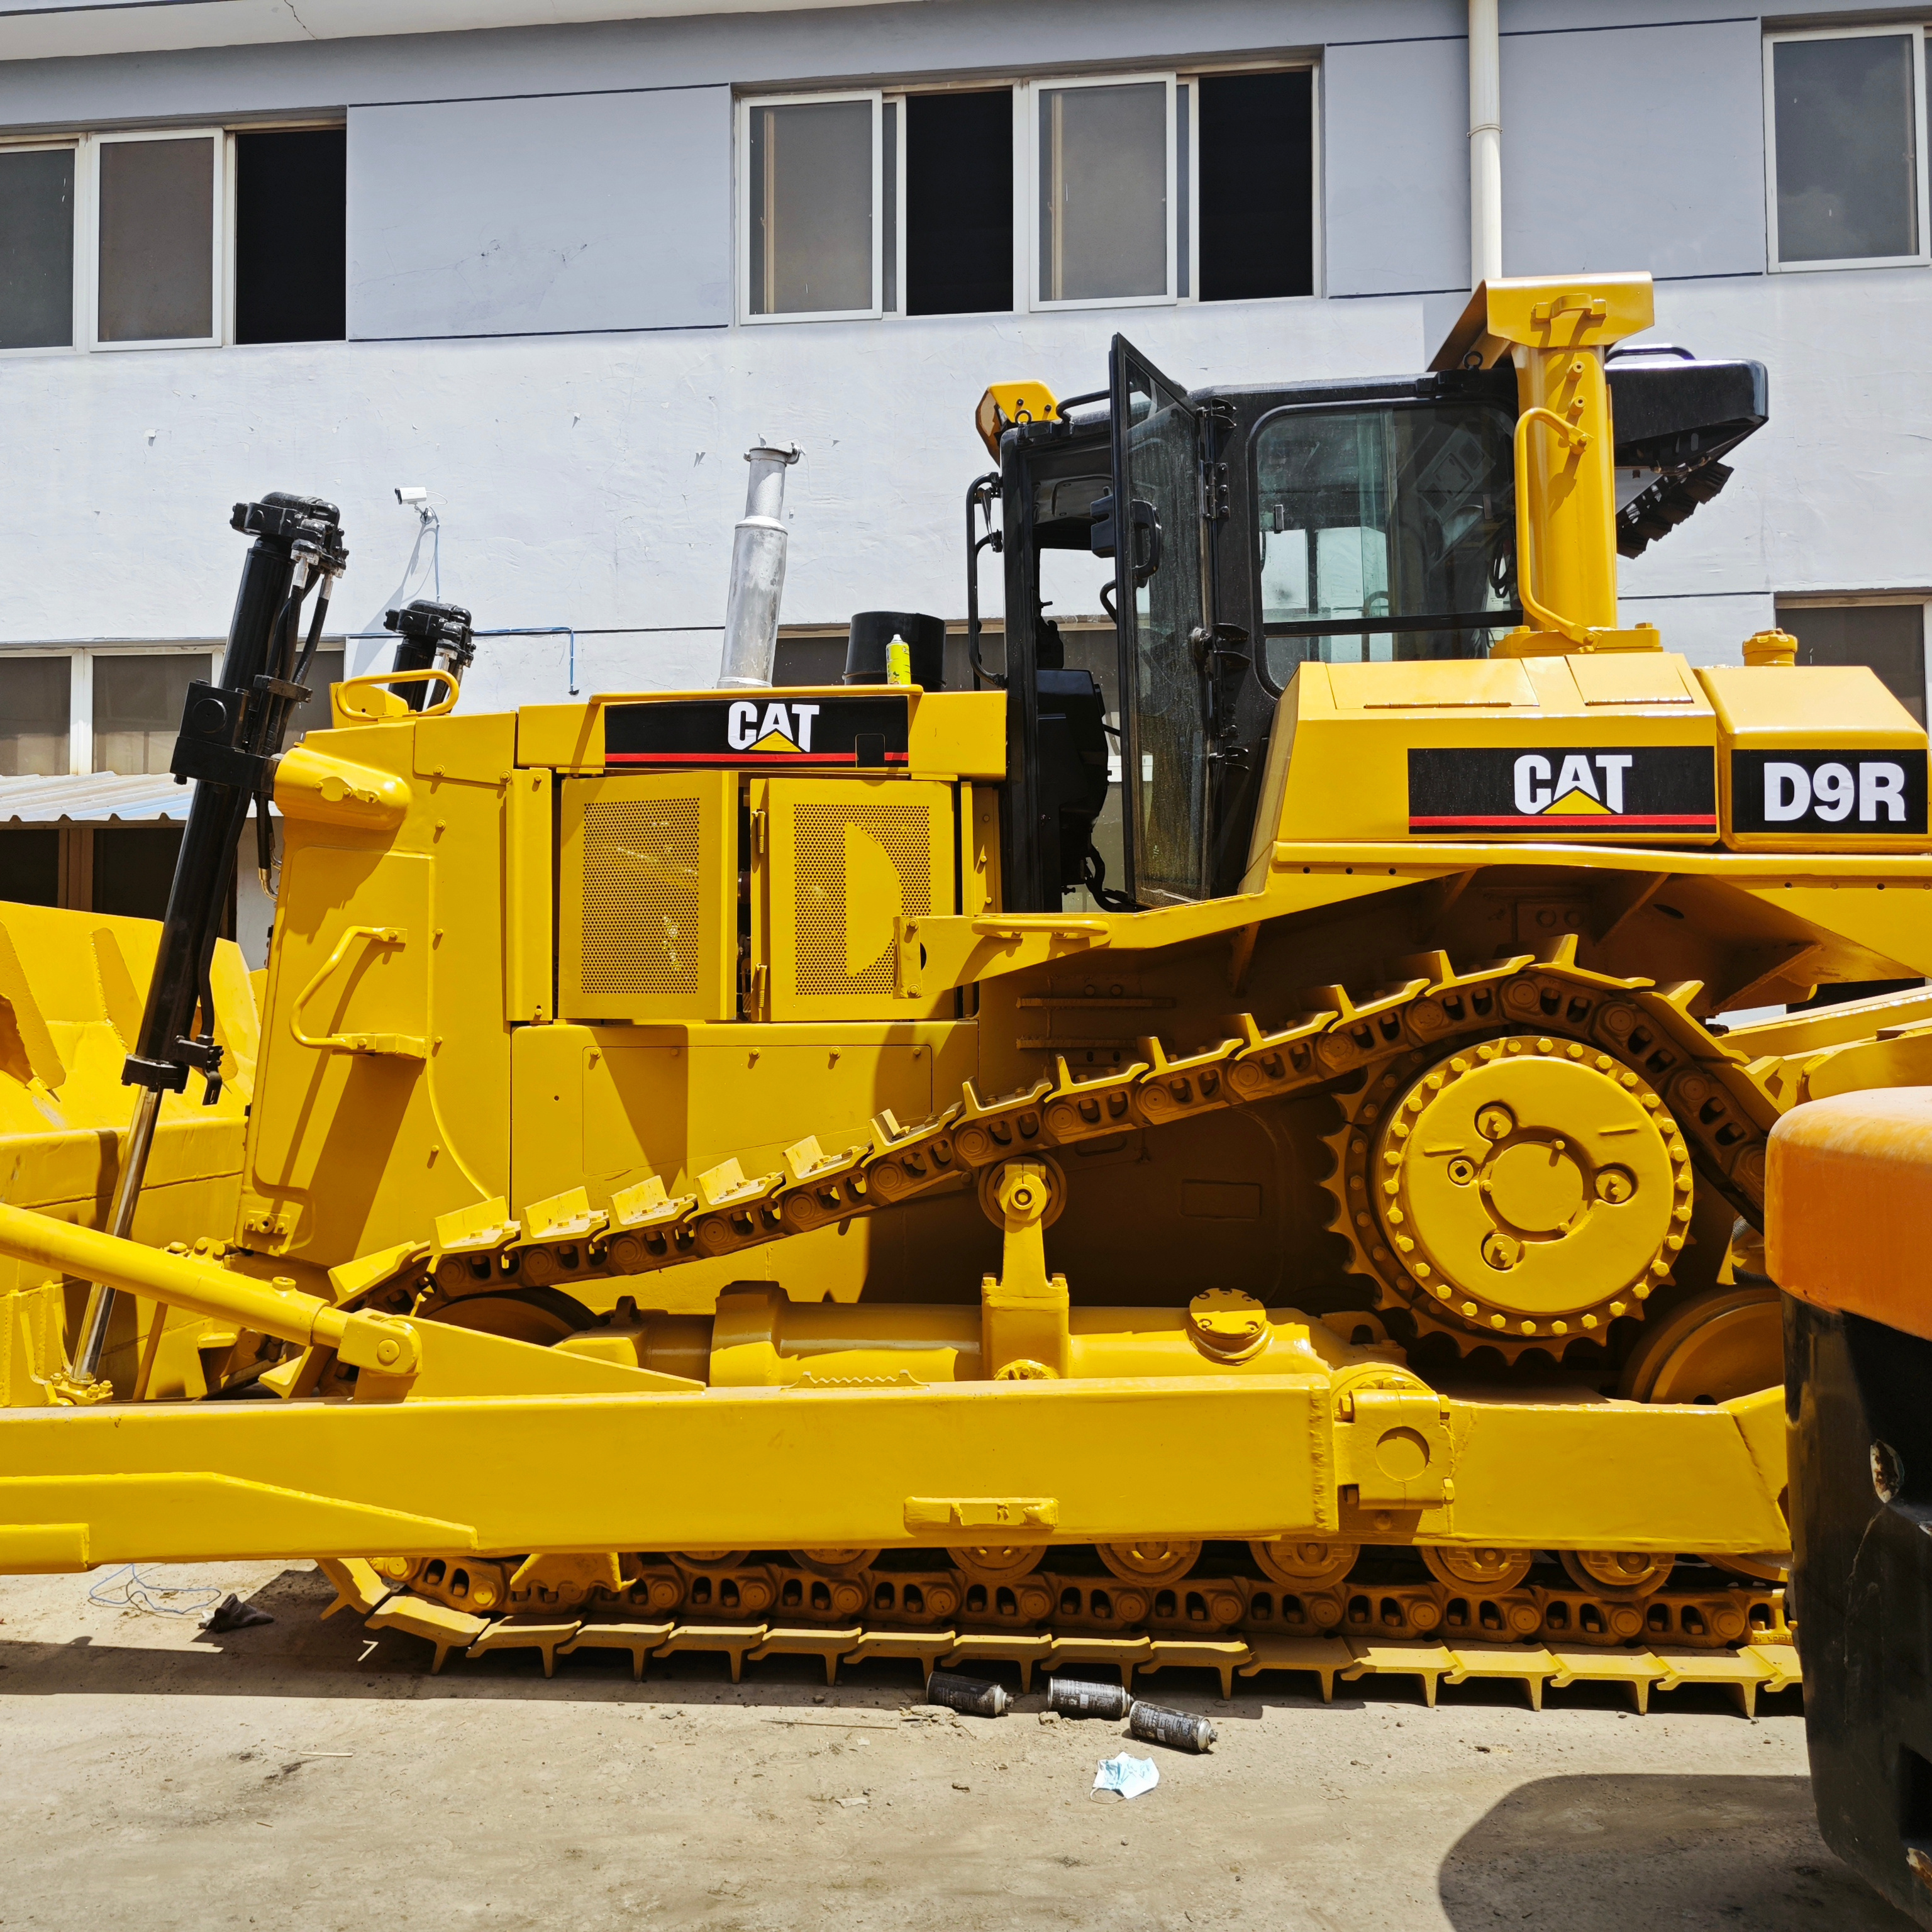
[973,1695]
[1152,1725]
[232,1614]
[1074,1697]
[1129,1776]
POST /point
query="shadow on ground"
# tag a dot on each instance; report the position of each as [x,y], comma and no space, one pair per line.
[1612,1852]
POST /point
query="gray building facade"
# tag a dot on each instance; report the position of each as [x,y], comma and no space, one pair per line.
[560,275]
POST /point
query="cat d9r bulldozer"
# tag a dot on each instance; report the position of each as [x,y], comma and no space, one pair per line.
[1232,1159]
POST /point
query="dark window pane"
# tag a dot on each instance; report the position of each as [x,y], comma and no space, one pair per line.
[37,250]
[30,866]
[809,660]
[291,195]
[137,709]
[1889,638]
[1257,148]
[811,208]
[157,240]
[134,867]
[34,698]
[959,203]
[1847,148]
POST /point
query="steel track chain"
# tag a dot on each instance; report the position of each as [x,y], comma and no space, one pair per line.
[1074,1605]
[1724,1111]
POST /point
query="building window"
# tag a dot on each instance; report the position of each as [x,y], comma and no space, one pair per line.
[958,242]
[1846,156]
[1105,192]
[1889,638]
[173,240]
[1125,191]
[37,188]
[138,699]
[291,235]
[35,704]
[156,262]
[812,218]
[75,712]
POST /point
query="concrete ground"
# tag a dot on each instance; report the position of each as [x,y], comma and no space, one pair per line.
[308,1773]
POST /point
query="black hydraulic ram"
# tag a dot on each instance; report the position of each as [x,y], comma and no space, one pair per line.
[231,736]
[430,638]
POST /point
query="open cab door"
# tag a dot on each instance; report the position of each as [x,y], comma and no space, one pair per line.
[1152,529]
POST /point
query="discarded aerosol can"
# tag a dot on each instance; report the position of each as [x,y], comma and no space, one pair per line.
[1154,1726]
[1074,1697]
[973,1695]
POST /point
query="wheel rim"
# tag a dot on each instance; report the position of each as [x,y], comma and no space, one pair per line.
[1626,1573]
[1150,1562]
[1304,1565]
[1477,1572]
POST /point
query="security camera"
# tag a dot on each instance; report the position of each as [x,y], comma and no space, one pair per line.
[411,493]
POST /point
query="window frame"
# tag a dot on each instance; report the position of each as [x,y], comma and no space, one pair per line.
[221,169]
[82,689]
[742,167]
[1922,175]
[80,721]
[1028,123]
[1842,600]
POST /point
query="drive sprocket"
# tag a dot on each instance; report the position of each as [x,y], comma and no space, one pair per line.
[1529,1187]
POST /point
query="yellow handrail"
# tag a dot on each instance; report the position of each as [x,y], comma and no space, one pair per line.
[1578,440]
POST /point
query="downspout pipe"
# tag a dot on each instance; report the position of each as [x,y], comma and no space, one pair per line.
[1486,145]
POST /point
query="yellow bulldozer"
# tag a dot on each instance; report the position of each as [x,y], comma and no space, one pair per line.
[1227,1154]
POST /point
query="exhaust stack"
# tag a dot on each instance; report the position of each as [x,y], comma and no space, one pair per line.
[758,573]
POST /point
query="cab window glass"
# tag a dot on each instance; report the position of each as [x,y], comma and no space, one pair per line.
[1384,532]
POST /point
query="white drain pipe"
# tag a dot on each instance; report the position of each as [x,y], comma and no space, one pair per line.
[758,573]
[1485,144]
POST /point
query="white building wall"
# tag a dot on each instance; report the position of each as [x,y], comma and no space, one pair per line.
[582,437]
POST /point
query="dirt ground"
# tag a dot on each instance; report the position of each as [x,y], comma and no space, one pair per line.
[304,1772]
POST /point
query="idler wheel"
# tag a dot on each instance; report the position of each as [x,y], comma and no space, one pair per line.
[1530,1186]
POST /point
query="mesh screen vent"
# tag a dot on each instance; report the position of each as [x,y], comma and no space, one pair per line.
[640,896]
[859,867]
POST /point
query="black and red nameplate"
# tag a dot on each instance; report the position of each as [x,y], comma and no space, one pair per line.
[760,733]
[1563,792]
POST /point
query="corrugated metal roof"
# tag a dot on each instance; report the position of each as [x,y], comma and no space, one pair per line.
[101,798]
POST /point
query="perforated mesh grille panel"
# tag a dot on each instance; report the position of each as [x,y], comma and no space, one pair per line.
[858,868]
[641,896]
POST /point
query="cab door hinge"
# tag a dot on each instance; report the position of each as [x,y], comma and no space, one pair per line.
[1214,492]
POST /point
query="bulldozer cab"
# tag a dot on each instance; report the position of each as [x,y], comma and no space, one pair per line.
[1252,530]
